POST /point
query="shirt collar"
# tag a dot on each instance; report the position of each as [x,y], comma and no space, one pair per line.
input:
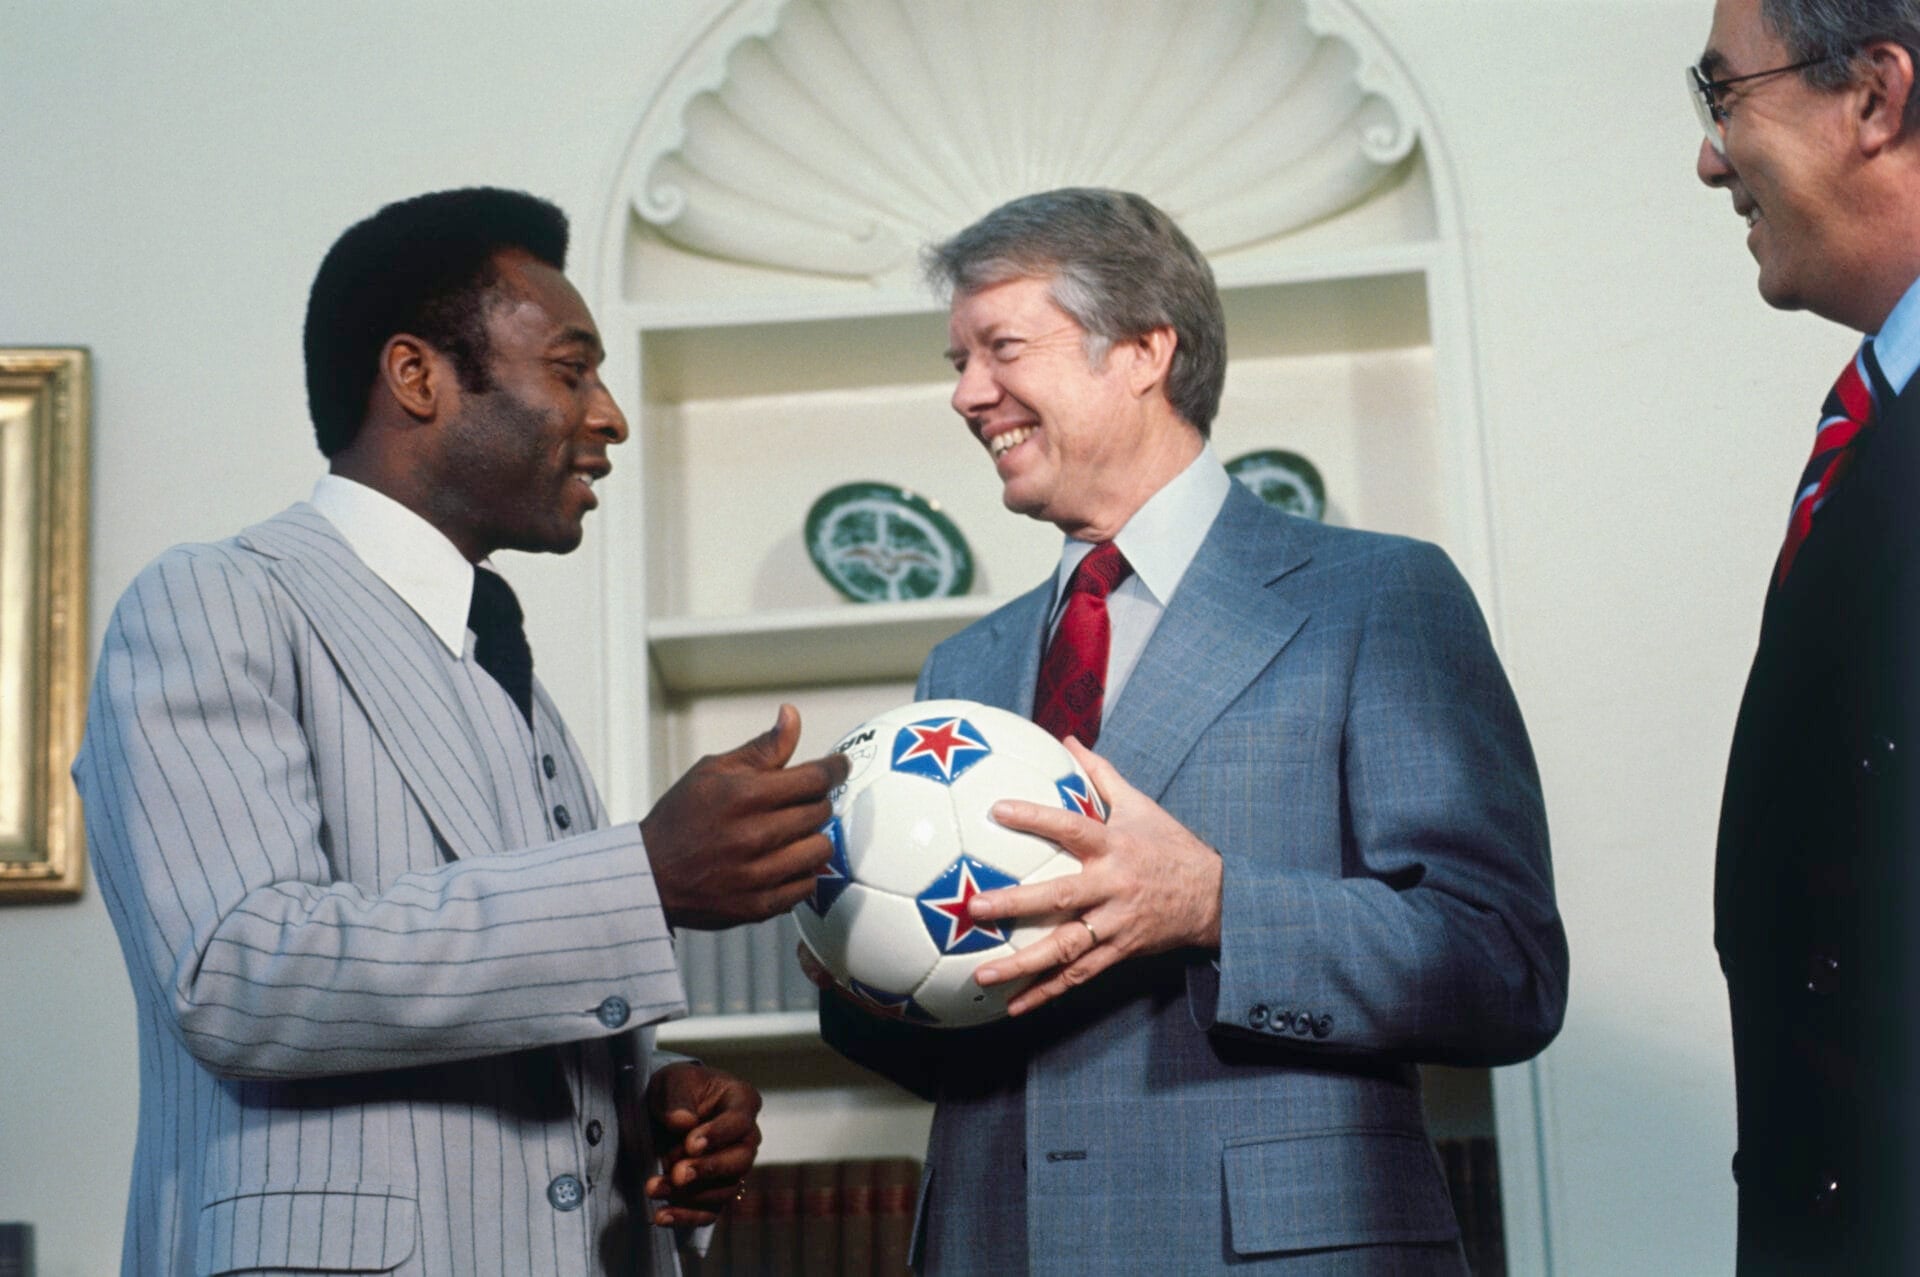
[1897,344]
[1163,535]
[412,556]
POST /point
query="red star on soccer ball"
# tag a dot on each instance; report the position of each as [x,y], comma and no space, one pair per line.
[940,742]
[955,907]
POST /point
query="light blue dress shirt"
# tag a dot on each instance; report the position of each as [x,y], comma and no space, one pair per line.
[1897,344]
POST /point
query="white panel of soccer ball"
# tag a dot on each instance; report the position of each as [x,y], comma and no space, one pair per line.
[914,839]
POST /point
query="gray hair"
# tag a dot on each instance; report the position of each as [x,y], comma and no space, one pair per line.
[1118,265]
[1835,31]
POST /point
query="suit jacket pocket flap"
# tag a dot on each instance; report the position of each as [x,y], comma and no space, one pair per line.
[1335,1188]
[357,1228]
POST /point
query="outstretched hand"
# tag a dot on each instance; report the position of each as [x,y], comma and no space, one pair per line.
[737,838]
[1146,885]
[706,1129]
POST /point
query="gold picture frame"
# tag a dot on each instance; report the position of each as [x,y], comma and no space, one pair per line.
[44,421]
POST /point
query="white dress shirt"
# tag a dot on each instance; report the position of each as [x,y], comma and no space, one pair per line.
[412,556]
[1159,543]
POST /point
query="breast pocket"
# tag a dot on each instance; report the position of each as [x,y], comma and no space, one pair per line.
[1344,1187]
[359,1228]
[1265,779]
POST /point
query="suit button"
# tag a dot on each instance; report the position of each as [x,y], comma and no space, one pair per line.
[1302,1024]
[1281,1022]
[1878,760]
[1823,974]
[1736,1166]
[1322,1025]
[562,817]
[1826,1198]
[1257,1016]
[595,1132]
[548,766]
[566,1192]
[613,1011]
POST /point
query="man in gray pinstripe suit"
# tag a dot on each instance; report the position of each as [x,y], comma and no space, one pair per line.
[394,970]
[1325,858]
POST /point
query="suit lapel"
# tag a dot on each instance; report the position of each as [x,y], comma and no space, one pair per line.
[1227,621]
[1018,628]
[394,666]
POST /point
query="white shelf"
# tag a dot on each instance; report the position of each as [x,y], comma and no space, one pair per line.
[757,354]
[818,1105]
[701,316]
[806,647]
[832,1122]
[767,1031]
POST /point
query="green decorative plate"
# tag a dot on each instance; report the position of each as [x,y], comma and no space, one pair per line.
[1284,480]
[876,543]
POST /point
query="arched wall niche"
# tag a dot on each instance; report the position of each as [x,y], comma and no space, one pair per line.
[798,143]
[768,332]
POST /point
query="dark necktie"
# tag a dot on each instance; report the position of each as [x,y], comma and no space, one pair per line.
[499,641]
[1068,695]
[1844,418]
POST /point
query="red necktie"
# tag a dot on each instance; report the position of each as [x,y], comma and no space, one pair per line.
[1846,416]
[1073,675]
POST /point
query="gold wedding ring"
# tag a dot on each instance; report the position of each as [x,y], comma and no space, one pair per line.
[1091,932]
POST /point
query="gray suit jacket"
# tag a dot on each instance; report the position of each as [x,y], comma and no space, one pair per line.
[389,966]
[1323,706]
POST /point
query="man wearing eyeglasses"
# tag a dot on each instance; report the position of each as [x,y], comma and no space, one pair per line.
[1813,126]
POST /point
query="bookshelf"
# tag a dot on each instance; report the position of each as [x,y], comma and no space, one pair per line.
[760,369]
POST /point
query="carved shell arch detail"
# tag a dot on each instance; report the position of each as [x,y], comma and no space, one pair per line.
[836,136]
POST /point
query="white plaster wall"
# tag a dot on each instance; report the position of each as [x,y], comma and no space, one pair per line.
[169,176]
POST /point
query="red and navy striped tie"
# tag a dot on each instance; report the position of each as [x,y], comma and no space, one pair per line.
[1068,694]
[1844,418]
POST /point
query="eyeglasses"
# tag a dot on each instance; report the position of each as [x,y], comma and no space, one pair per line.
[1713,112]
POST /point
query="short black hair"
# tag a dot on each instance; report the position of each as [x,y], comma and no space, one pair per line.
[422,266]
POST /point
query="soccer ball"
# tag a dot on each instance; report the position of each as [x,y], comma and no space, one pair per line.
[913,842]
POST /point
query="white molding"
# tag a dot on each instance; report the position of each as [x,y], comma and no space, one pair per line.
[766,1031]
[833,240]
[1527,1133]
[833,137]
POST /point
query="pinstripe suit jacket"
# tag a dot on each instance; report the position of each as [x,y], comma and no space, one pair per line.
[379,939]
[1324,707]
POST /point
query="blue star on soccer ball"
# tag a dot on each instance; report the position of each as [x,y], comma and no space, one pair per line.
[938,748]
[834,876]
[892,1006]
[1077,795]
[943,907]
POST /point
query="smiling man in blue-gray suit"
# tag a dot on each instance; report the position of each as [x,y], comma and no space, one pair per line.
[1326,856]
[394,969]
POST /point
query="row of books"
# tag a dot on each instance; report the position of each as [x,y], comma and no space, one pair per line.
[744,970]
[823,1219]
